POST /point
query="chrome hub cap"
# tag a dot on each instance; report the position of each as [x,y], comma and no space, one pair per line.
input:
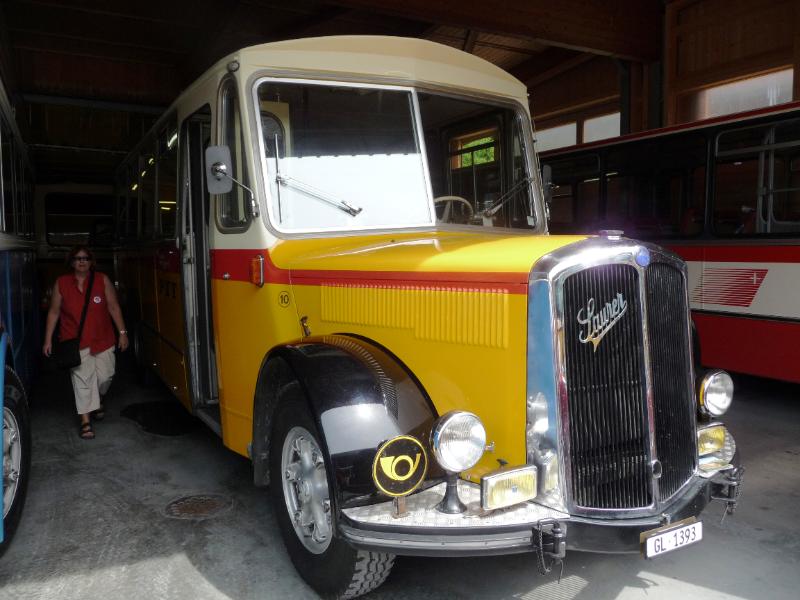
[305,490]
[12,457]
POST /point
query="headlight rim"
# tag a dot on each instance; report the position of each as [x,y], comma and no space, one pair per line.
[703,390]
[436,436]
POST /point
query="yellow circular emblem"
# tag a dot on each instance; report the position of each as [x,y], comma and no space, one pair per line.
[400,466]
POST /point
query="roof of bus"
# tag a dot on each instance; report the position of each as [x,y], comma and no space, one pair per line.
[398,60]
[395,59]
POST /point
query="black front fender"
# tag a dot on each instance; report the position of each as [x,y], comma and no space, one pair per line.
[359,396]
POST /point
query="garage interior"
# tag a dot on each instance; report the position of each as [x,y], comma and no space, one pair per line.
[88,78]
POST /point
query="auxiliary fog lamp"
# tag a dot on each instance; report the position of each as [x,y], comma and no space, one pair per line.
[715,393]
[458,441]
[715,447]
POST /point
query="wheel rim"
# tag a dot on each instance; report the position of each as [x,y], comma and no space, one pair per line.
[12,457]
[305,490]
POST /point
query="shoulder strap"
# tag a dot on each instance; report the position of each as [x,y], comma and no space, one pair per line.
[89,287]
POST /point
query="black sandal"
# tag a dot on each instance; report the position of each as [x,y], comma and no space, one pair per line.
[86,431]
[99,414]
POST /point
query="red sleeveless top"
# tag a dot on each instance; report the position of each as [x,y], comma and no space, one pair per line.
[98,333]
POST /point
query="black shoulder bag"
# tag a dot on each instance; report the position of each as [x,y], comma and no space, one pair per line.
[67,353]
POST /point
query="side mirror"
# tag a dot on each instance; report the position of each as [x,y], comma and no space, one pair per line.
[218,167]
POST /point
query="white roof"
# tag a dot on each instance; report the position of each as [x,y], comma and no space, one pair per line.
[395,59]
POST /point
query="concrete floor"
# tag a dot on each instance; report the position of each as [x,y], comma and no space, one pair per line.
[95,527]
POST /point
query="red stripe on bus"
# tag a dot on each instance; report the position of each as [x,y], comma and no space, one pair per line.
[760,347]
[235,265]
[745,253]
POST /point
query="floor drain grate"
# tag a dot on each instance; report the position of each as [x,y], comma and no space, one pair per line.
[202,506]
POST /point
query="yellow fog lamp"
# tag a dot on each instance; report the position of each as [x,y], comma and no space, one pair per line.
[716,393]
[508,486]
[710,440]
[715,447]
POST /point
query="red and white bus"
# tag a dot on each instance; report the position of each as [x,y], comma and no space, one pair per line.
[724,194]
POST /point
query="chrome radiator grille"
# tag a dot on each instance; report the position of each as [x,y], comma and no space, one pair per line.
[673,404]
[608,433]
[606,385]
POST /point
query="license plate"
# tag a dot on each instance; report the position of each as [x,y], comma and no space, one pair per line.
[671,537]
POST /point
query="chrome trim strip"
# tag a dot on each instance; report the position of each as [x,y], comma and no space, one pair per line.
[551,271]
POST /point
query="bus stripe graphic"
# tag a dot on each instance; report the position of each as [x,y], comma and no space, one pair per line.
[728,286]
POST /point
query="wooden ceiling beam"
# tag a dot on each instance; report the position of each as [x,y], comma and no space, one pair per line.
[470,40]
[619,28]
[549,64]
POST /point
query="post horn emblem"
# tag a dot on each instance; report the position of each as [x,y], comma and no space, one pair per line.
[400,466]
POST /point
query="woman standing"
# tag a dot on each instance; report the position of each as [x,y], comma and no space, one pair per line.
[91,379]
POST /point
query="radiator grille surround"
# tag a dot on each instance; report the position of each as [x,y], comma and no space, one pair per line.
[623,391]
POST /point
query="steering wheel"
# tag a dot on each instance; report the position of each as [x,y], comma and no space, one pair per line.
[448,201]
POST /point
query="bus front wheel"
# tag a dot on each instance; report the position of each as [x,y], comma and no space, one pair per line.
[16,454]
[300,488]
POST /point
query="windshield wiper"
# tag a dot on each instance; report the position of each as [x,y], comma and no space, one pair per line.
[488,213]
[318,194]
[307,189]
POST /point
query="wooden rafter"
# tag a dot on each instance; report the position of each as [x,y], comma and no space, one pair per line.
[619,28]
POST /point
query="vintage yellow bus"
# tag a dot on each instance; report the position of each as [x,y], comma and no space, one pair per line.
[336,253]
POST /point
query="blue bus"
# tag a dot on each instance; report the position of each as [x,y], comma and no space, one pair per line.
[19,322]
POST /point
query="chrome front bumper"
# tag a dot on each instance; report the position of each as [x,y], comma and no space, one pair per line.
[424,531]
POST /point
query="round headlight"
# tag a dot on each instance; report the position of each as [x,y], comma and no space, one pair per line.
[716,393]
[458,441]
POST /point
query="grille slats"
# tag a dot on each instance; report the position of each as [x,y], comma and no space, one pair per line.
[669,355]
[606,386]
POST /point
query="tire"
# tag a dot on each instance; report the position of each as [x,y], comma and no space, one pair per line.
[326,562]
[16,454]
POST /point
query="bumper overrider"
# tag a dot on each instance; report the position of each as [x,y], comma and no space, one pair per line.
[526,527]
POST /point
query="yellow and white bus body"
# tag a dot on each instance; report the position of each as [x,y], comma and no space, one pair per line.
[375,271]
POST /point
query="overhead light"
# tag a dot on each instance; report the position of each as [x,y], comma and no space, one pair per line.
[144,172]
[166,208]
[167,202]
[134,187]
[172,140]
[150,160]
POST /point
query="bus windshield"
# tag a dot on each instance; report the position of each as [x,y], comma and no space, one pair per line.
[344,157]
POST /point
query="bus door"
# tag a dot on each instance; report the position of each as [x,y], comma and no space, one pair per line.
[168,293]
[196,268]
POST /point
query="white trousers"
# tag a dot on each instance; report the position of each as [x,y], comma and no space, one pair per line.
[92,378]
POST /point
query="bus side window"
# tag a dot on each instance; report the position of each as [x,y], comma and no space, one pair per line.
[562,209]
[7,200]
[588,216]
[783,199]
[147,190]
[738,176]
[232,208]
[167,183]
[785,215]
[576,199]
